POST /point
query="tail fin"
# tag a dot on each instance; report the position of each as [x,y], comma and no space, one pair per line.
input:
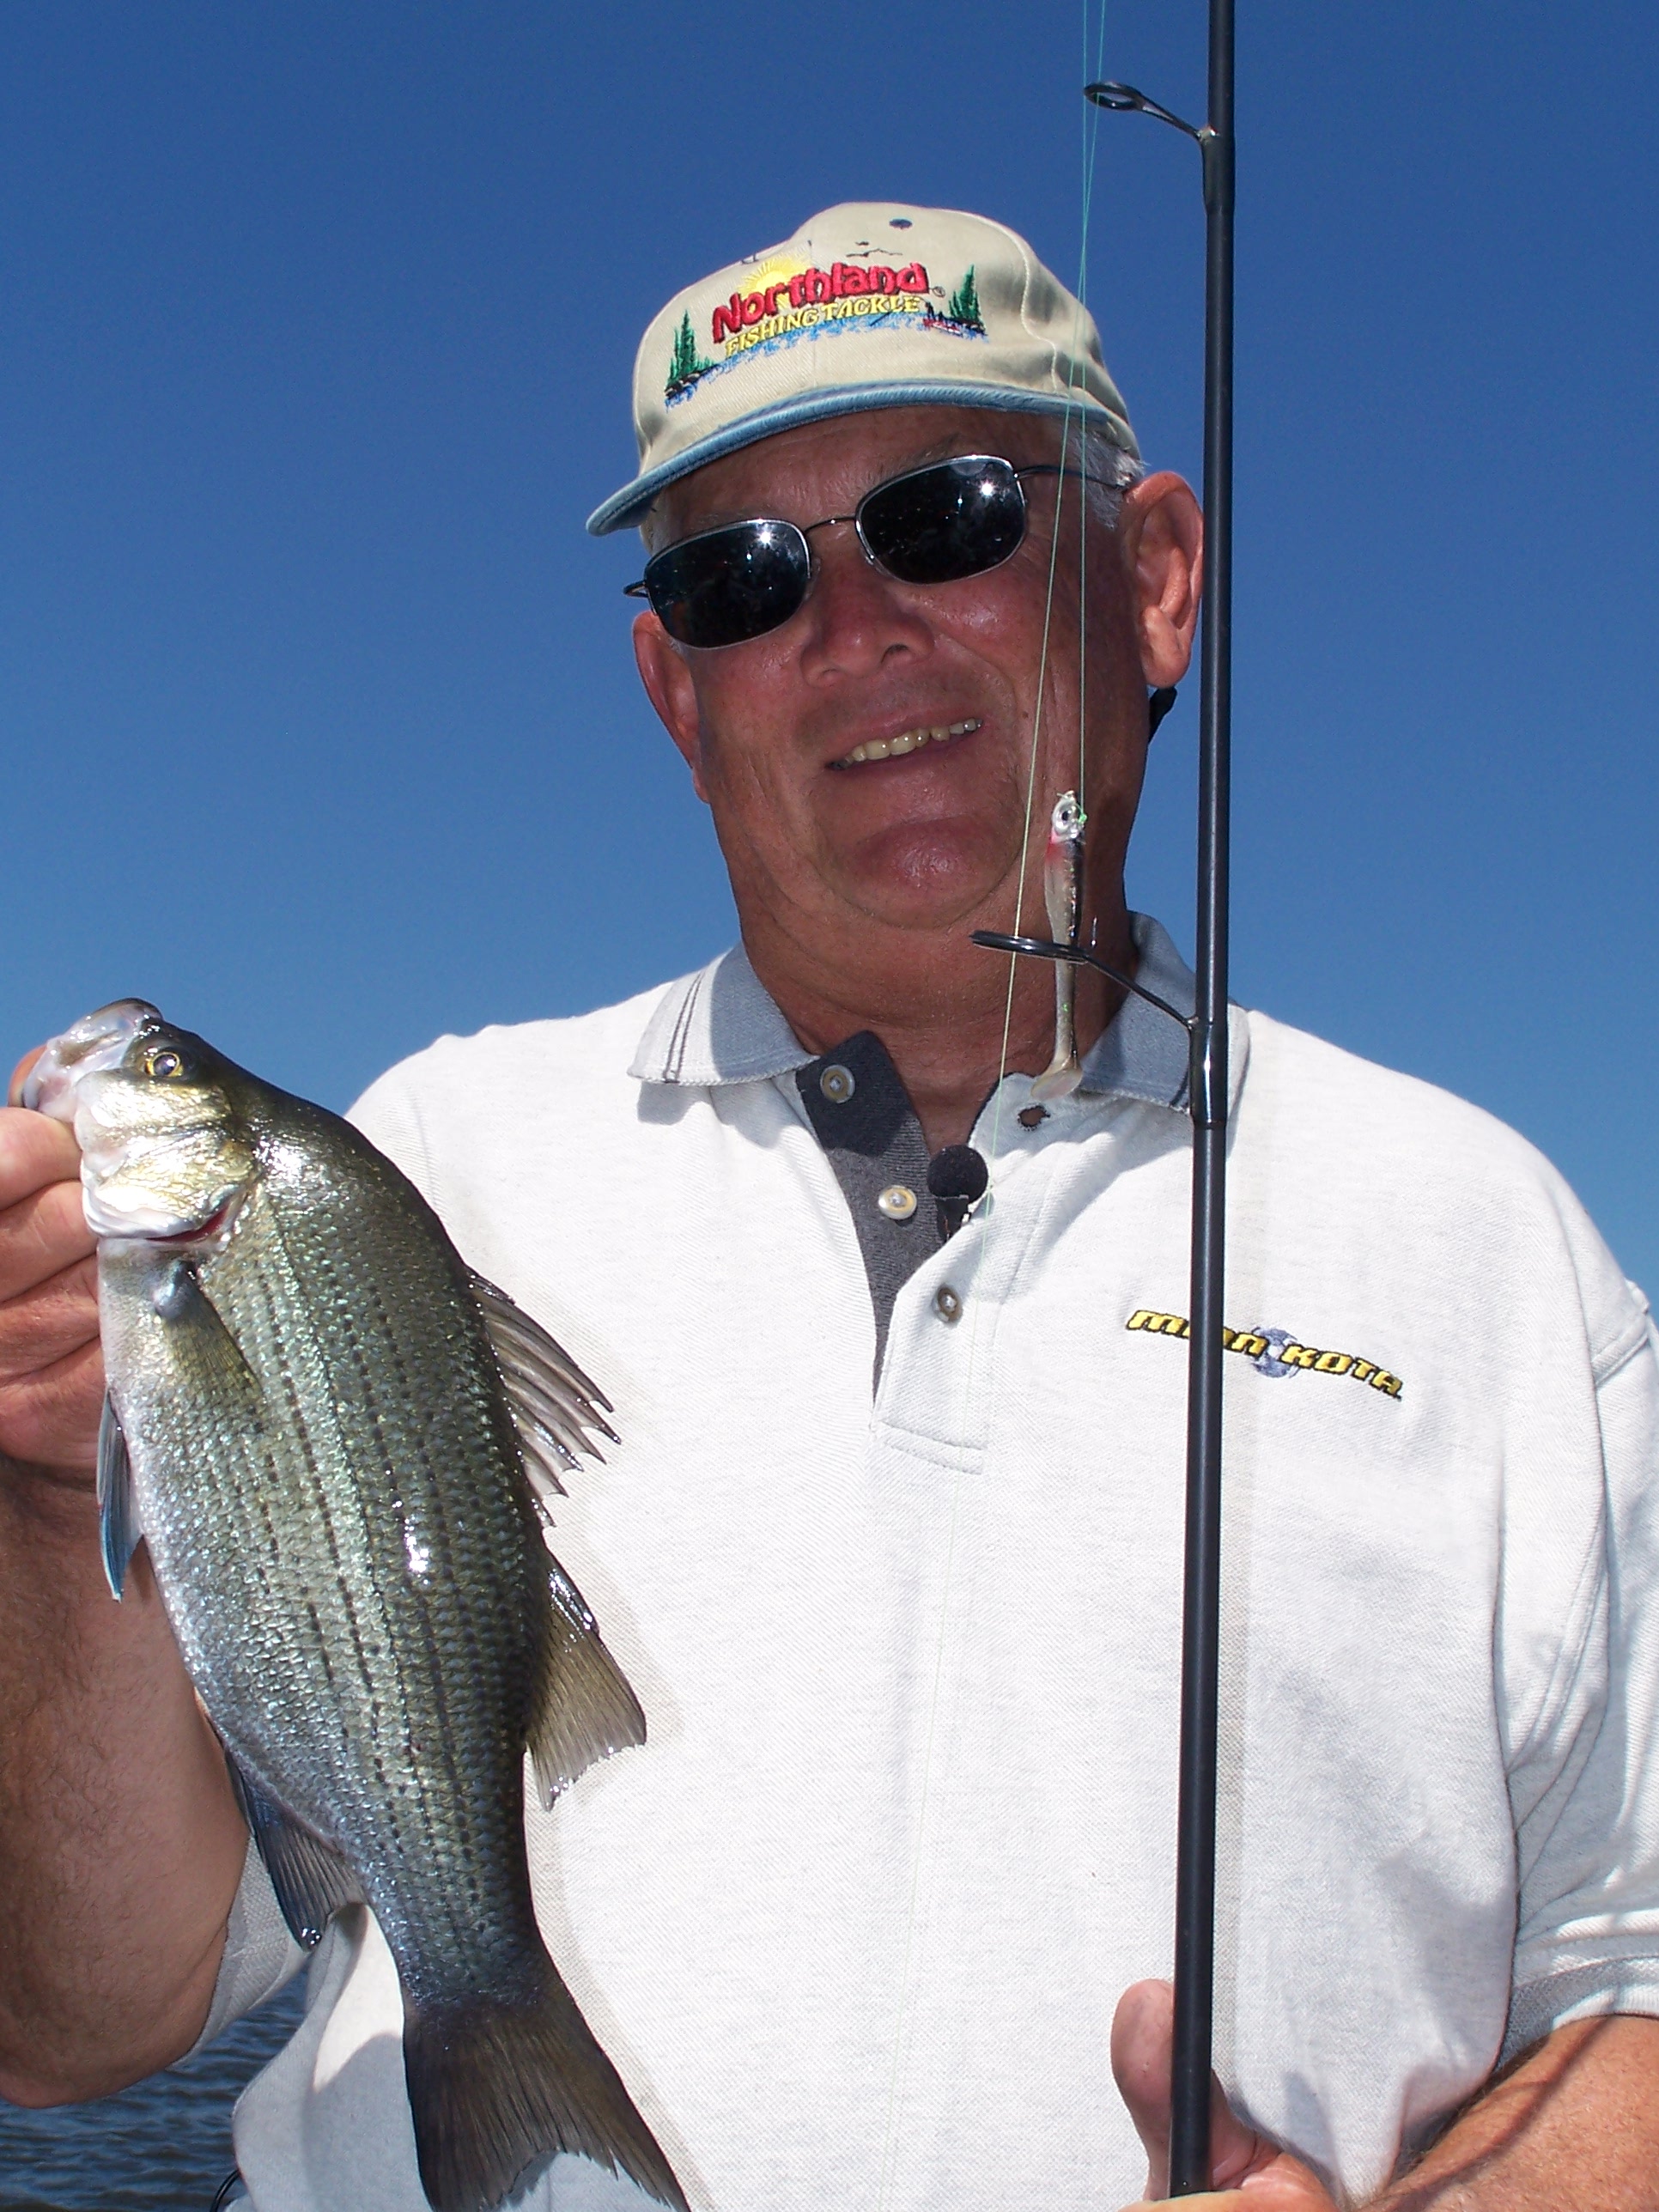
[497,2089]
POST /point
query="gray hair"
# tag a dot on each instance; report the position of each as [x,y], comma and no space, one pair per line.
[1108,472]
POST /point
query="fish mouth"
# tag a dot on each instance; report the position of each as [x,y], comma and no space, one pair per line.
[97,1042]
[908,741]
[214,1230]
[122,1208]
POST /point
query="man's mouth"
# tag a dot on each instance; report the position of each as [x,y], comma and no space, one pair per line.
[907,741]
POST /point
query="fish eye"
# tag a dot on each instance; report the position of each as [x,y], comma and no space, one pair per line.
[164,1063]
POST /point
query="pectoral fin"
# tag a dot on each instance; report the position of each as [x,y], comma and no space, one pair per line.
[311,1880]
[117,1513]
[200,1340]
[587,1710]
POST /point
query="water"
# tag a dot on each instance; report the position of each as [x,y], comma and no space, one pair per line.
[161,2145]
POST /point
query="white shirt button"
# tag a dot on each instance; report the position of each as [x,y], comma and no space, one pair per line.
[947,1303]
[897,1201]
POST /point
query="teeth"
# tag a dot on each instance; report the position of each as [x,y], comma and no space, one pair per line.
[907,742]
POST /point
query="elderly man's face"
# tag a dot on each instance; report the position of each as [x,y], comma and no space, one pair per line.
[831,850]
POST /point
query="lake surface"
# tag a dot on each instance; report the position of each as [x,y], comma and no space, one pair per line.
[163,2145]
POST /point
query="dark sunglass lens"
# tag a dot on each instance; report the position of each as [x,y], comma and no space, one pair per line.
[730,585]
[943,523]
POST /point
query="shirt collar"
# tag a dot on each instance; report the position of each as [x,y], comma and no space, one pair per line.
[722,1025]
[1141,1053]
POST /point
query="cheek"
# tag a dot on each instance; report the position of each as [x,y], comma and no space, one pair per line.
[740,767]
[761,738]
[1000,616]
[744,713]
[1009,615]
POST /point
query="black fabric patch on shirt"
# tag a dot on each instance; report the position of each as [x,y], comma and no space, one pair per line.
[873,1141]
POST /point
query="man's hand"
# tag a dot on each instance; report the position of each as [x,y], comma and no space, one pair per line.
[1250,2172]
[52,1374]
[1573,2124]
[120,1843]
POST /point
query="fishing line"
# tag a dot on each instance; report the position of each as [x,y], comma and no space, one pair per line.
[1074,413]
[1090,135]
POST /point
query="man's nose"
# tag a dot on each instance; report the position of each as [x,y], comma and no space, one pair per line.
[857,618]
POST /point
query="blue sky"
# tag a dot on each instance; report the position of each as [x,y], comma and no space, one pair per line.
[320,725]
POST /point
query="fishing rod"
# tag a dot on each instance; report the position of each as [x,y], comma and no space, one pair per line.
[1207,1104]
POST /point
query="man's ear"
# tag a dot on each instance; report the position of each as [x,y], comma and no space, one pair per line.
[1161,530]
[668,682]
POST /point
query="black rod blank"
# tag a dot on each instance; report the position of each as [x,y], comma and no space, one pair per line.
[1195,1931]
[1194,1948]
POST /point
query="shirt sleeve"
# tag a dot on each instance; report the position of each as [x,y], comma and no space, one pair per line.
[260,1954]
[1587,1820]
[387,1115]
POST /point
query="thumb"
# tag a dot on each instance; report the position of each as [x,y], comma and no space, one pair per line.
[1142,2039]
[15,1092]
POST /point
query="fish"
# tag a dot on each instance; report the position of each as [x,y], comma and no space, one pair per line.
[1062,894]
[336,1440]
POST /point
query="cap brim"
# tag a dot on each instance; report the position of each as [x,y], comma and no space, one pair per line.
[626,508]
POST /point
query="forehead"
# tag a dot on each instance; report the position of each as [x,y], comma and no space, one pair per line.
[826,467]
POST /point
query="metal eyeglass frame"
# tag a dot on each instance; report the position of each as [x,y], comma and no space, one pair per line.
[803,530]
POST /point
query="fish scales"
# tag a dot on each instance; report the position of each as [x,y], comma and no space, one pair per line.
[321,1451]
[351,1583]
[361,1444]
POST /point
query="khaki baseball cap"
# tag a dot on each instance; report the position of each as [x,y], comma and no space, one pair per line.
[869,305]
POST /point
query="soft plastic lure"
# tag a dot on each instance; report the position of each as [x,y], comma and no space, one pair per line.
[1062,894]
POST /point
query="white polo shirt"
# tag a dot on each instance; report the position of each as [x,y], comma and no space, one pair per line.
[854,1922]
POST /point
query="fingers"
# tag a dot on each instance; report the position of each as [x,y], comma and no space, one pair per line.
[49,1418]
[43,1227]
[49,1322]
[1207,2200]
[1143,2037]
[34,1151]
[1143,2031]
[1284,2187]
[40,1235]
[51,1370]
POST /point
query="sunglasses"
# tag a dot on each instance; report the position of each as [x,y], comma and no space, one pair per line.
[933,525]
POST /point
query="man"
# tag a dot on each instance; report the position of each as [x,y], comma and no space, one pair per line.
[855,1924]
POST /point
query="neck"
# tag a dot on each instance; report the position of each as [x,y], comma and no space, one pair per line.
[940,1005]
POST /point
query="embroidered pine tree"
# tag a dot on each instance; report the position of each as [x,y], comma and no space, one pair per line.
[964,303]
[685,365]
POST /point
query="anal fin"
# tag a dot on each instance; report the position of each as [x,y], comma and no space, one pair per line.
[587,1710]
[311,1880]
[118,1530]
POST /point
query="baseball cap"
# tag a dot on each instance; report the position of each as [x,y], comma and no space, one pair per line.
[871,304]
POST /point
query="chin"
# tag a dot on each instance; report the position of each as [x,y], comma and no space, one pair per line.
[912,878]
